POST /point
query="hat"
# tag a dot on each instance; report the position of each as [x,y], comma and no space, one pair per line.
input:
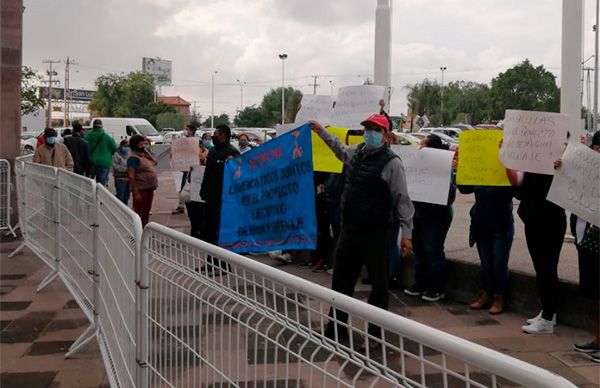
[379,120]
[97,123]
[49,131]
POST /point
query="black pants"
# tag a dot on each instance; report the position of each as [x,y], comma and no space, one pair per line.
[355,249]
[196,213]
[323,233]
[544,238]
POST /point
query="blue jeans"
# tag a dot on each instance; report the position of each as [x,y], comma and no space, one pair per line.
[429,236]
[100,174]
[494,251]
[123,190]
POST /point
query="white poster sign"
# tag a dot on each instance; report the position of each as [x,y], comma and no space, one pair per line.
[185,152]
[428,173]
[160,69]
[355,103]
[532,141]
[285,128]
[196,177]
[315,107]
[576,184]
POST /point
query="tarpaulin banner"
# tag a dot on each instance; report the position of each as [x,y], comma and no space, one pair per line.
[269,196]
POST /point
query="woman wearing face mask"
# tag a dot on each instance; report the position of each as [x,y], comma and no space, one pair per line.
[142,176]
[244,143]
[431,224]
[119,167]
[53,153]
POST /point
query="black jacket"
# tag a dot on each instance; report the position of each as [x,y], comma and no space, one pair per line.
[80,151]
[212,184]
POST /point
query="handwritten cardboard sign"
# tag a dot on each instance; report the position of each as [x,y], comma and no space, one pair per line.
[576,184]
[323,157]
[315,107]
[428,173]
[355,103]
[533,140]
[478,162]
[184,153]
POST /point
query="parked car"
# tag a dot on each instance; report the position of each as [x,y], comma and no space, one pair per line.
[452,132]
[452,143]
[487,126]
[406,139]
[28,141]
[172,135]
[164,130]
[463,127]
[124,127]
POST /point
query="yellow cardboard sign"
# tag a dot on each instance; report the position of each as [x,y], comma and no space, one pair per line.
[478,162]
[323,158]
[353,140]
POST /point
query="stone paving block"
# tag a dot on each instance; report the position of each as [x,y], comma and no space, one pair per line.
[14,305]
[41,348]
[591,373]
[26,328]
[28,379]
[572,375]
[541,359]
[574,358]
[71,375]
[11,354]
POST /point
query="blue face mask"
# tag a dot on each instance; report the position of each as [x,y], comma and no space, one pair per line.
[51,140]
[125,150]
[373,139]
[207,143]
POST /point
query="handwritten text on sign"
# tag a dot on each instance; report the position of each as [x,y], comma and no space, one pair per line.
[184,153]
[427,173]
[478,162]
[315,107]
[269,196]
[355,103]
[533,140]
[576,184]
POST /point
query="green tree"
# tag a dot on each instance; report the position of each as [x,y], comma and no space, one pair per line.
[251,116]
[219,120]
[128,95]
[524,87]
[170,120]
[30,97]
[271,105]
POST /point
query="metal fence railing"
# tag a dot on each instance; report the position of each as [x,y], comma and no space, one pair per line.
[169,310]
[5,197]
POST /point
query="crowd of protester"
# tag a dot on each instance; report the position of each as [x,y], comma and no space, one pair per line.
[365,218]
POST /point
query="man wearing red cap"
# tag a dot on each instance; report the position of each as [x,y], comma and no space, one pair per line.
[375,193]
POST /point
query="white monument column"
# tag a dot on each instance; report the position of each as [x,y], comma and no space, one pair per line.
[383,47]
[570,69]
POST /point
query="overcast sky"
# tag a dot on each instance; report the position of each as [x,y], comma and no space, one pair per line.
[241,39]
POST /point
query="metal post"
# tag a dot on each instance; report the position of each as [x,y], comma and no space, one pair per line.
[570,69]
[443,68]
[50,73]
[212,100]
[241,94]
[331,86]
[283,57]
[596,67]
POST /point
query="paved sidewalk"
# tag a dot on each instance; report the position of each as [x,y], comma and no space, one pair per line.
[37,328]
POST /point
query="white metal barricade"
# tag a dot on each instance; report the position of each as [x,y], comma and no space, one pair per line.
[119,235]
[5,199]
[21,203]
[231,321]
[41,216]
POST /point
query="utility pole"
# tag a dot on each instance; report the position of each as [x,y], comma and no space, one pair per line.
[212,99]
[315,84]
[443,69]
[331,86]
[596,67]
[283,58]
[67,93]
[50,72]
[241,94]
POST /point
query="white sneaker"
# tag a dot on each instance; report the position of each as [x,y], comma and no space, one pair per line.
[541,326]
[539,316]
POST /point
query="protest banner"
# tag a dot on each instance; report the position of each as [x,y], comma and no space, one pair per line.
[576,184]
[355,103]
[315,107]
[184,153]
[428,173]
[323,157]
[196,178]
[478,161]
[533,140]
[269,196]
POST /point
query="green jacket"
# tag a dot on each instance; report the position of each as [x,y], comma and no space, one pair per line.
[102,147]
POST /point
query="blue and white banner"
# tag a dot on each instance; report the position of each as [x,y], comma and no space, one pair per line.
[269,196]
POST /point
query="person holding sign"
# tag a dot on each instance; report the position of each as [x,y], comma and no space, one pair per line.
[431,225]
[545,226]
[375,192]
[142,176]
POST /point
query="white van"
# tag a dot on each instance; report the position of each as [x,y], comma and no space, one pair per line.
[123,128]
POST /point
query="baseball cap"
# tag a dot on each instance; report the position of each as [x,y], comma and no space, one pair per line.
[97,123]
[379,120]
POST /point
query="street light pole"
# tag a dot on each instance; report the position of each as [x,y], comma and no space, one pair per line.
[331,86]
[596,67]
[212,100]
[241,94]
[283,57]
[443,68]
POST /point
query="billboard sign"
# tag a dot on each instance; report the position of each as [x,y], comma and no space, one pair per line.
[75,94]
[160,69]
